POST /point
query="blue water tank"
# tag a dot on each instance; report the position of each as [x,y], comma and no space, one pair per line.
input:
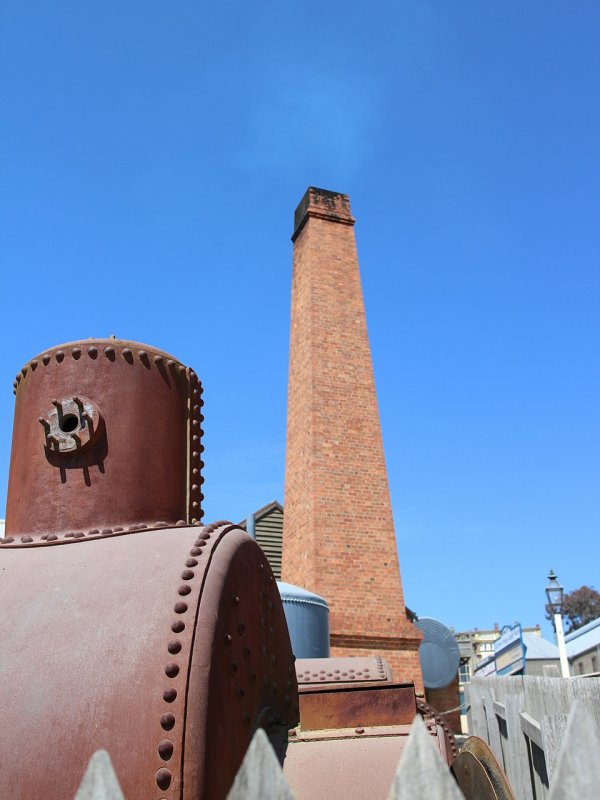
[307,617]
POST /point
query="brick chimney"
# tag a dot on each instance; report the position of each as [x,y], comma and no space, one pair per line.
[338,538]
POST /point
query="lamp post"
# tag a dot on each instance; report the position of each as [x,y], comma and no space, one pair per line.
[555,594]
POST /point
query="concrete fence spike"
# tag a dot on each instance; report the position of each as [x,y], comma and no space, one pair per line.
[260,776]
[421,771]
[100,781]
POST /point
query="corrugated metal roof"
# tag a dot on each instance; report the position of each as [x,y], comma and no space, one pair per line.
[583,639]
[538,647]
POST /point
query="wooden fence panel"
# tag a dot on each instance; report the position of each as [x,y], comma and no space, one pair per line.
[100,781]
[421,772]
[260,775]
[577,775]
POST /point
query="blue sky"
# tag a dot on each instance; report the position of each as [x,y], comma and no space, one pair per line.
[151,159]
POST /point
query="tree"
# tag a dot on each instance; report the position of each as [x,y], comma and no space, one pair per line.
[579,607]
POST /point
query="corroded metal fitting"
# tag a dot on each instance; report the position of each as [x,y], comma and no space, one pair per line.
[71,424]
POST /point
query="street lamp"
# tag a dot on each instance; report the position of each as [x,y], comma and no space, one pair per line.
[555,594]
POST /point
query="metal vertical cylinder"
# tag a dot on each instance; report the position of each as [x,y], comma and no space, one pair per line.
[107,436]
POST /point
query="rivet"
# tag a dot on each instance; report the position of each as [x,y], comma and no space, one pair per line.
[76,353]
[191,562]
[196,551]
[26,539]
[185,589]
[165,749]
[169,695]
[195,505]
[106,531]
[180,608]
[18,378]
[33,364]
[200,543]
[241,628]
[195,454]
[126,352]
[204,535]
[236,600]
[133,528]
[227,638]
[240,692]
[171,670]
[246,652]
[170,362]
[195,423]
[9,539]
[51,538]
[187,575]
[174,647]
[160,524]
[93,532]
[59,355]
[69,535]
[158,359]
[78,534]
[142,354]
[195,521]
[195,393]
[261,566]
[109,352]
[24,371]
[181,369]
[359,730]
[167,721]
[180,523]
[177,626]
[195,471]
[142,526]
[163,778]
[92,352]
[45,359]
[246,719]
[15,384]
[118,529]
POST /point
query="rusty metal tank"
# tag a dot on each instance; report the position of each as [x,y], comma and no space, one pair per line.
[128,625]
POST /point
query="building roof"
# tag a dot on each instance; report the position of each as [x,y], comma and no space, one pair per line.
[583,639]
[262,511]
[538,647]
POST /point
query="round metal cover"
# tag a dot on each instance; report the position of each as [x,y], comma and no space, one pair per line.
[438,653]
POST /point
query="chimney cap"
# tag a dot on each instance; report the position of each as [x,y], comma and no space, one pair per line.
[324,204]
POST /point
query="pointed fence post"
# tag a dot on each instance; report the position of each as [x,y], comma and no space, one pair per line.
[577,775]
[421,772]
[260,776]
[100,781]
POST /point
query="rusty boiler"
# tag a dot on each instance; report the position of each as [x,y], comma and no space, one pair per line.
[128,625]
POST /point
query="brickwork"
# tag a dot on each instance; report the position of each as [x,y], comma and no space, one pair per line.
[338,529]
